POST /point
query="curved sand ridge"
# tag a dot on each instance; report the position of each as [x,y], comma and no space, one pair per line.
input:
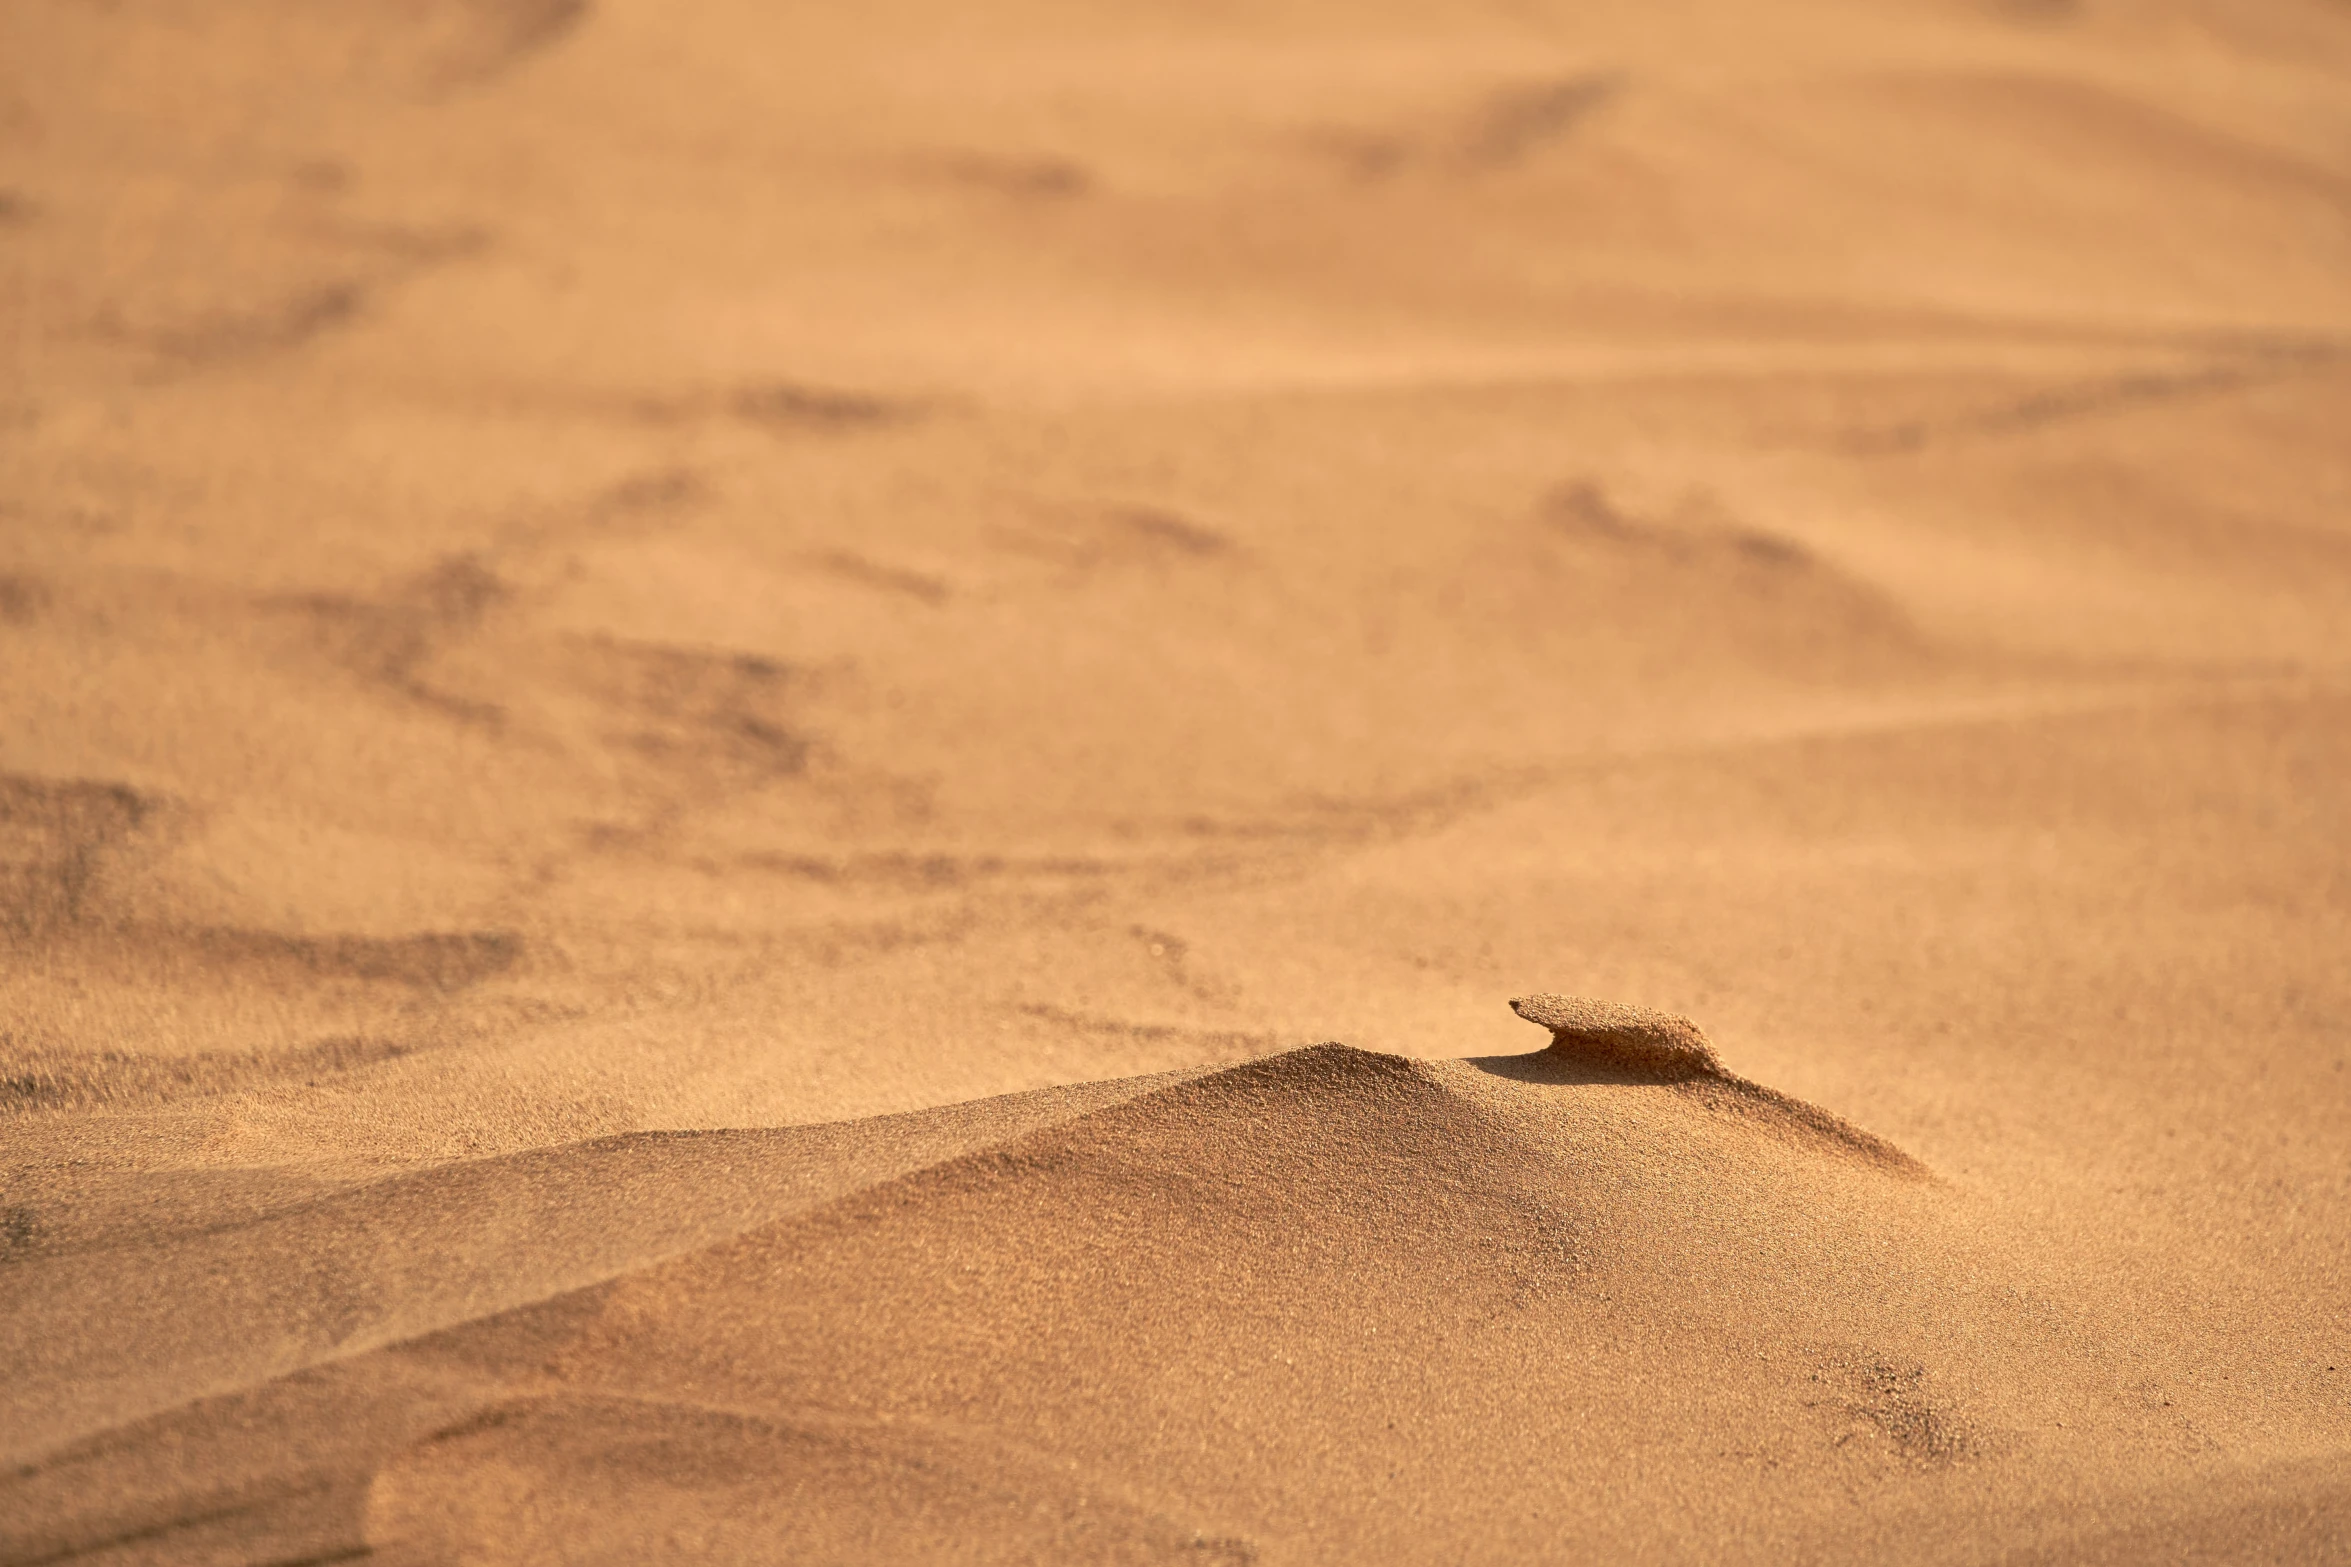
[1631,1039]
[1657,1046]
[1489,1298]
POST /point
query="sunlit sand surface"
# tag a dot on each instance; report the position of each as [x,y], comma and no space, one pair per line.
[772,778]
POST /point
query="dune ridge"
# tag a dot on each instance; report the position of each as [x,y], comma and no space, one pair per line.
[326,1270]
[1286,1216]
[1654,1046]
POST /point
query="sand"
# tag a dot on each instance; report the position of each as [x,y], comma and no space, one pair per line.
[772,781]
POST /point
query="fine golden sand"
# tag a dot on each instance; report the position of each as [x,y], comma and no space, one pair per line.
[773,778]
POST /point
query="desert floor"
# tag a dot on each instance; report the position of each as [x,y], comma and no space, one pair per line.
[705,709]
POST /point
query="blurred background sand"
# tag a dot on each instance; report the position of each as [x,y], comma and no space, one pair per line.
[591,592]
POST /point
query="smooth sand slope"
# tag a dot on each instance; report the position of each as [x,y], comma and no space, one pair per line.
[706,712]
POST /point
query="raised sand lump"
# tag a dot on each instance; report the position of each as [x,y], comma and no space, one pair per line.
[1629,1039]
[1661,1048]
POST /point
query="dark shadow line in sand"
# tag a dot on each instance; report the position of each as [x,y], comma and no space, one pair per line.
[507,33]
[2298,1511]
[619,1186]
[238,1505]
[2070,401]
[1514,123]
[917,1445]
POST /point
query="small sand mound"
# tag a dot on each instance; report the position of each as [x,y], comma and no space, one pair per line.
[1658,1047]
[1626,1039]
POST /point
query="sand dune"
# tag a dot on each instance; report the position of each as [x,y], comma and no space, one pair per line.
[1253,1314]
[238,1279]
[706,714]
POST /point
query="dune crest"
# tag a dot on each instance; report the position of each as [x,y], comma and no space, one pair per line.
[1634,1042]
[1629,1039]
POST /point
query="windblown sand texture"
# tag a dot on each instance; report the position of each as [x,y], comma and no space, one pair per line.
[706,711]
